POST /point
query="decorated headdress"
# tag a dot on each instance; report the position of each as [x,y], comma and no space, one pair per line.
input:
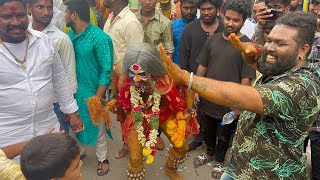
[147,57]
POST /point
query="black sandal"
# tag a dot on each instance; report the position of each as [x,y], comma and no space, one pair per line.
[82,156]
[99,170]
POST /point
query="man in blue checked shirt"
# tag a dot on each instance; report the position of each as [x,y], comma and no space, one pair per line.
[188,12]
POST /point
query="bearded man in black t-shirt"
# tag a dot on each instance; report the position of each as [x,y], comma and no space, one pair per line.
[221,61]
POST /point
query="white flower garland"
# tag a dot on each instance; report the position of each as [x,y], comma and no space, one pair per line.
[173,11]
[135,101]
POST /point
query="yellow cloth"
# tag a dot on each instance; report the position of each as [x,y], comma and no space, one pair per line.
[305,5]
[93,20]
[258,76]
[9,170]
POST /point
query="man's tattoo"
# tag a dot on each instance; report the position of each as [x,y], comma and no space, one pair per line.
[201,86]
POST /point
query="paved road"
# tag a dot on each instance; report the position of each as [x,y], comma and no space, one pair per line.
[154,171]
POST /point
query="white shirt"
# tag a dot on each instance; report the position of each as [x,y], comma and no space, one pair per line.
[248,28]
[20,49]
[26,95]
[64,47]
[125,31]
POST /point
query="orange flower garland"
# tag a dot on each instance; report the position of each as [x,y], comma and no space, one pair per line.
[97,112]
[176,129]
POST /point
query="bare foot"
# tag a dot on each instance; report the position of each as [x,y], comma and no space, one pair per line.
[160,143]
[122,152]
[172,173]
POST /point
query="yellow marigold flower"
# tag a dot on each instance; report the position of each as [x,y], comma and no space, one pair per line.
[150,159]
[171,125]
[146,151]
[178,144]
[179,115]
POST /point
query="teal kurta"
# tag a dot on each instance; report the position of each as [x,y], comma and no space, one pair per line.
[94,59]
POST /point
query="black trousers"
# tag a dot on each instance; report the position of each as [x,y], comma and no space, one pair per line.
[217,137]
[315,154]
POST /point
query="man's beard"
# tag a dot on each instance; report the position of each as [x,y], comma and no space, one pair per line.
[227,33]
[292,8]
[70,24]
[188,18]
[211,20]
[282,65]
[45,24]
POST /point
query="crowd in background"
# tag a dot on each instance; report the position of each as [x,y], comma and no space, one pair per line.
[56,54]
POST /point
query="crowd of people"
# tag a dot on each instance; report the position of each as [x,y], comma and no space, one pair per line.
[175,68]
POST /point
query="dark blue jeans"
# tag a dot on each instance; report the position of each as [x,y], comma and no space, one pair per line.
[64,125]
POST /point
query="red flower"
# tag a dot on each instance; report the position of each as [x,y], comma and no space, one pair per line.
[135,67]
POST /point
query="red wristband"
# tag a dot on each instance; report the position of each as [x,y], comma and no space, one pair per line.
[257,55]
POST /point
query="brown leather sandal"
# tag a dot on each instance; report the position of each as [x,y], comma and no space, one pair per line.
[99,170]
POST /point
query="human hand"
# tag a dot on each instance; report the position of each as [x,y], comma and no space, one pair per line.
[75,122]
[263,15]
[196,100]
[111,105]
[237,113]
[249,50]
[183,115]
[52,129]
[178,75]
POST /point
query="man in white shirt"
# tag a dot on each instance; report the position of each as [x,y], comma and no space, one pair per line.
[31,76]
[42,13]
[123,27]
[125,30]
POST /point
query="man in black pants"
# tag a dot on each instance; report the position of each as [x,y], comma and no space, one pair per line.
[221,61]
[193,38]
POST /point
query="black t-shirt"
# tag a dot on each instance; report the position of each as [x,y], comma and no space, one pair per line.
[192,40]
[224,63]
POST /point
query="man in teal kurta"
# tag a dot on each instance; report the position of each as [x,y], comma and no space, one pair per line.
[94,59]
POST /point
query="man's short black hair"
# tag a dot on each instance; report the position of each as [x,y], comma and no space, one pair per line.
[33,1]
[188,1]
[24,3]
[48,156]
[258,1]
[283,2]
[125,2]
[216,3]
[304,23]
[269,24]
[81,7]
[239,6]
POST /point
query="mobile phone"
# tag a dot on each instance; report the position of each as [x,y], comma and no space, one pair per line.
[276,14]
